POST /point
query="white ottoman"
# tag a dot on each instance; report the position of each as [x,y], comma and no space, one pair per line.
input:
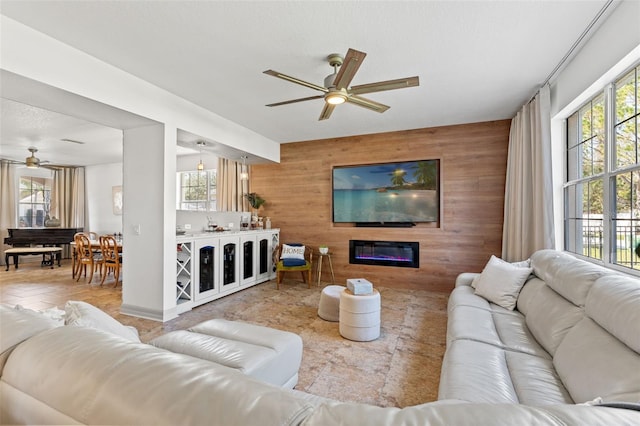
[329,306]
[267,354]
[360,316]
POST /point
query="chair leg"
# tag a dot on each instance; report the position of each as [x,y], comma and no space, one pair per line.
[309,279]
[79,273]
[104,275]
[116,273]
[278,279]
[93,267]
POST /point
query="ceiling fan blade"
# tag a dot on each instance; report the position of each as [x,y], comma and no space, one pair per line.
[381,86]
[326,111]
[367,103]
[296,100]
[349,67]
[296,80]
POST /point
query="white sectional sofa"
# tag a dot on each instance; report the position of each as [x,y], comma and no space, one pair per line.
[502,367]
[574,337]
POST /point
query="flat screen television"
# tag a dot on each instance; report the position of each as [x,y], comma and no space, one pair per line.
[387,194]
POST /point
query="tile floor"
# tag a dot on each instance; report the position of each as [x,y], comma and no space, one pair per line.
[400,368]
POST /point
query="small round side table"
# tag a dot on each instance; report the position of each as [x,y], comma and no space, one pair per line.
[359,316]
[322,257]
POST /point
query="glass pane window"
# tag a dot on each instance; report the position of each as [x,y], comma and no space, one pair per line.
[602,207]
[197,190]
[626,124]
[585,141]
[34,201]
[627,219]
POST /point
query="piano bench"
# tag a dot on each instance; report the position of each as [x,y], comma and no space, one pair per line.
[48,255]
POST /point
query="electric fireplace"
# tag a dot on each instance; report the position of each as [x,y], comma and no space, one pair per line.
[385,253]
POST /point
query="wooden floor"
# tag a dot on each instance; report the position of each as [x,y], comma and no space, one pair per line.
[400,368]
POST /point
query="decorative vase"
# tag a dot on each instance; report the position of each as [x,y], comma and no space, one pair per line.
[324,250]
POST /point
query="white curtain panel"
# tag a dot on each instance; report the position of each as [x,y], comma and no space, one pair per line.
[230,188]
[67,196]
[7,201]
[68,199]
[528,203]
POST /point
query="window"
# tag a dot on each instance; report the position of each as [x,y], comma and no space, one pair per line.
[602,204]
[197,190]
[34,200]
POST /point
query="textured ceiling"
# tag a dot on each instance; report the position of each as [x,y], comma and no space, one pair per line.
[477,60]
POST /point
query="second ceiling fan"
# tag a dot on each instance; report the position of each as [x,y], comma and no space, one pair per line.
[336,86]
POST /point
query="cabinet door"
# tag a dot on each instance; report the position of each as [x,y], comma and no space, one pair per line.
[206,273]
[229,259]
[263,261]
[248,265]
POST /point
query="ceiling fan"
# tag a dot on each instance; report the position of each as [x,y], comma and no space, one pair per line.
[336,90]
[31,162]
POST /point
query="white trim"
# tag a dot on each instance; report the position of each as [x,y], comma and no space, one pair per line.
[598,86]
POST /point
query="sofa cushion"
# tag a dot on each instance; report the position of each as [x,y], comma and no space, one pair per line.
[550,317]
[477,372]
[18,325]
[97,377]
[466,296]
[500,282]
[592,363]
[570,277]
[84,314]
[445,413]
[614,303]
[501,328]
[528,292]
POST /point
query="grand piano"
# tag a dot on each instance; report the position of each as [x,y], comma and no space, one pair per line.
[25,237]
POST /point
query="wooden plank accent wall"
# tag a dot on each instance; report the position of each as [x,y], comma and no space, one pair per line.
[473,161]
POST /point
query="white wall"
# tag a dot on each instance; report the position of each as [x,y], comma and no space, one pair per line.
[612,49]
[149,162]
[99,181]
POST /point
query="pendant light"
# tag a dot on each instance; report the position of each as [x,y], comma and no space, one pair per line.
[200,164]
[244,174]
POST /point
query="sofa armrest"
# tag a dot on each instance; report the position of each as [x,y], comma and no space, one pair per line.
[465,278]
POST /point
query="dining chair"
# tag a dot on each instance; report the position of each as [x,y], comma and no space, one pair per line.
[75,256]
[300,261]
[111,257]
[87,257]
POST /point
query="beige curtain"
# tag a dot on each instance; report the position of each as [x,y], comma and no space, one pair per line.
[7,202]
[528,204]
[230,188]
[67,196]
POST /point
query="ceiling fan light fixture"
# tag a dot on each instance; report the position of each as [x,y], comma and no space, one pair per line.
[32,162]
[335,98]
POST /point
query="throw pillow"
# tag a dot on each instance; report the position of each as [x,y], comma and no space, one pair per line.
[293,255]
[84,314]
[500,282]
[292,251]
[521,264]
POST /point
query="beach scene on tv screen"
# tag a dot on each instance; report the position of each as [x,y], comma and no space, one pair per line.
[390,192]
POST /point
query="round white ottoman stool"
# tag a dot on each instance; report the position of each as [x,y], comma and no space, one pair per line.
[360,316]
[329,306]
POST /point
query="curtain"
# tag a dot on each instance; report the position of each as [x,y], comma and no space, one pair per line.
[528,203]
[7,201]
[230,188]
[67,196]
